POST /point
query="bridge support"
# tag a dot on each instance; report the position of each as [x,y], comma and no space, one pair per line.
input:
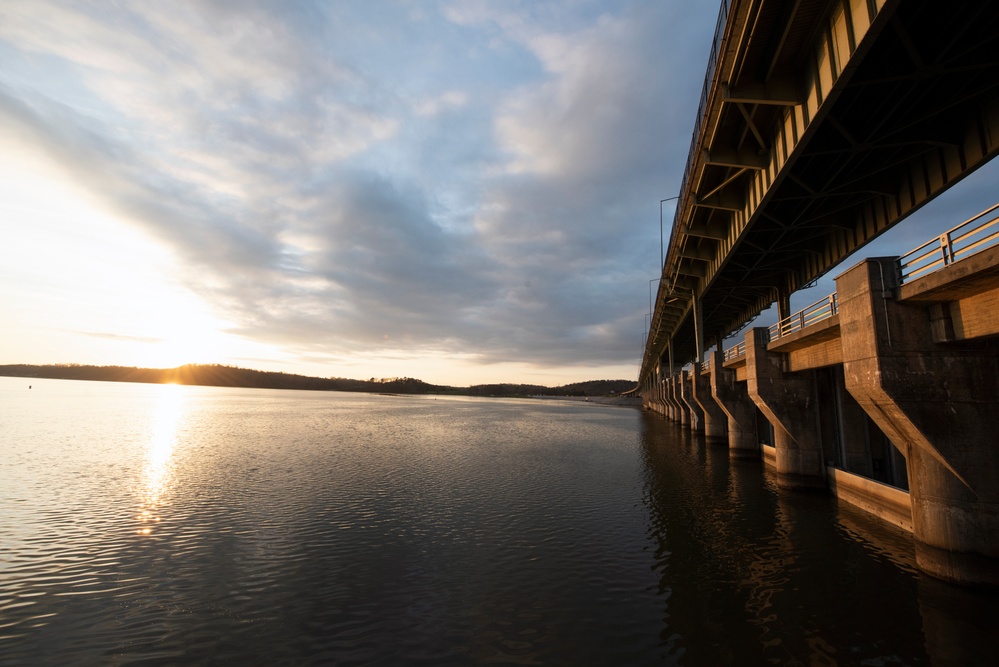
[789,401]
[715,419]
[733,398]
[687,396]
[938,403]
[682,411]
[671,409]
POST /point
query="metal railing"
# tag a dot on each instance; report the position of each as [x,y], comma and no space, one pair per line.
[818,311]
[736,350]
[709,78]
[971,236]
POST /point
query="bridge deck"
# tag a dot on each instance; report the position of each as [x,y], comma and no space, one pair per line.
[823,124]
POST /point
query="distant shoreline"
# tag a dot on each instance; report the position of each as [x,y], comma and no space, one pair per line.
[215,375]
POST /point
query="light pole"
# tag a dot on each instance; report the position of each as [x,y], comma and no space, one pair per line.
[661,202]
[650,299]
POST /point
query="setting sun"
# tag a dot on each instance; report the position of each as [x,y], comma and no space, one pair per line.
[99,281]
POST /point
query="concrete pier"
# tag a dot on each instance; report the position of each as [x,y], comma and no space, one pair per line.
[939,403]
[789,401]
[740,412]
[894,370]
[676,396]
[715,419]
[687,396]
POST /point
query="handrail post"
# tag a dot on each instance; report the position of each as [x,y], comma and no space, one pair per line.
[945,248]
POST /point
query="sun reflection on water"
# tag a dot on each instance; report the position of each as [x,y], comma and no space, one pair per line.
[157,476]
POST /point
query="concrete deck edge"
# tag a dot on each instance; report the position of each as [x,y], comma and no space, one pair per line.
[885,502]
[769,455]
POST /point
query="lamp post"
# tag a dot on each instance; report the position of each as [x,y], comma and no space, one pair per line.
[661,202]
[651,312]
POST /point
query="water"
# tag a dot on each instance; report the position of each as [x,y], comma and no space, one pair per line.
[187,525]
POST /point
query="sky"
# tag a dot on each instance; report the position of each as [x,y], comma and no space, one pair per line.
[459,191]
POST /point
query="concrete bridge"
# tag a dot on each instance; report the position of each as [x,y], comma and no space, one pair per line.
[822,124]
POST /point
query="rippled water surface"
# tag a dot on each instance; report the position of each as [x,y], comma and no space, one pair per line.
[189,525]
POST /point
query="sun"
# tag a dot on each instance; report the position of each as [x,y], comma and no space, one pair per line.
[186,337]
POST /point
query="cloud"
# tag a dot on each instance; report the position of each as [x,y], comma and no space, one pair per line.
[114,336]
[478,181]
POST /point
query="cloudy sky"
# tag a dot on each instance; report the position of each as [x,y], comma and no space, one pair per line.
[454,190]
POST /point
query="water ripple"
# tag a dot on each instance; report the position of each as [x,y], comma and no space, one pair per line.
[202,526]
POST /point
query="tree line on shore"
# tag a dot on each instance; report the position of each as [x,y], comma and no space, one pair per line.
[218,375]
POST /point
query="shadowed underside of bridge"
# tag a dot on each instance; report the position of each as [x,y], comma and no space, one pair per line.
[823,123]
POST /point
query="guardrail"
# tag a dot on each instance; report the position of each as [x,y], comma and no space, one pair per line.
[971,236]
[736,350]
[822,309]
[702,104]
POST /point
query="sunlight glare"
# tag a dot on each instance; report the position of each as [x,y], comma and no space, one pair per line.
[158,473]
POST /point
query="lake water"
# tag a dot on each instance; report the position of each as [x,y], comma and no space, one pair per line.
[191,525]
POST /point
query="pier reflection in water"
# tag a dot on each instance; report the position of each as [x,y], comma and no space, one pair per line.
[183,525]
[757,575]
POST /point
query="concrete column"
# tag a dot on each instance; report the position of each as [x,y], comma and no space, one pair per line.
[670,407]
[733,398]
[715,419]
[698,327]
[788,400]
[687,396]
[663,398]
[667,404]
[783,305]
[682,410]
[939,404]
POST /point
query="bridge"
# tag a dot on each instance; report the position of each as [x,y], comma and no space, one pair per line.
[822,124]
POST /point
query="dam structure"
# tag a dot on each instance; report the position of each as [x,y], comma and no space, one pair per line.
[821,125]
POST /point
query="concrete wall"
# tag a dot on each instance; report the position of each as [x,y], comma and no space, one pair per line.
[883,501]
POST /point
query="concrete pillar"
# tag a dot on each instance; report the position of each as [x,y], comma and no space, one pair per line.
[698,328]
[661,388]
[788,400]
[687,395]
[939,404]
[783,305]
[682,410]
[668,397]
[733,398]
[667,404]
[715,419]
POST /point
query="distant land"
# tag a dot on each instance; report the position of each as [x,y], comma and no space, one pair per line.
[215,375]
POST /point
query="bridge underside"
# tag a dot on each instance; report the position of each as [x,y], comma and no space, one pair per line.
[827,123]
